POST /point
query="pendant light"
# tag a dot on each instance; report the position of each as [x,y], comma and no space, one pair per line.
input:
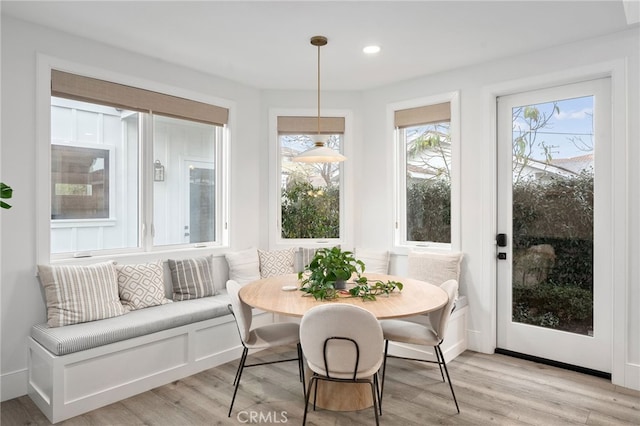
[319,153]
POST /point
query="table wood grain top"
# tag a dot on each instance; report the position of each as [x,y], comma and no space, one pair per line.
[416,297]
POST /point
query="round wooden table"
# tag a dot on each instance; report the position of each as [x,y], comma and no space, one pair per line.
[275,295]
[271,294]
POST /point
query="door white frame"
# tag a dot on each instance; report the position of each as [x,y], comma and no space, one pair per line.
[485,338]
[592,352]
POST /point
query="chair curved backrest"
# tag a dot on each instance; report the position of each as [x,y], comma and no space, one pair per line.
[241,311]
[440,318]
[349,324]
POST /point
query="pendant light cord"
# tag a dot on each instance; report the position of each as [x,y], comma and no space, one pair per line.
[318,89]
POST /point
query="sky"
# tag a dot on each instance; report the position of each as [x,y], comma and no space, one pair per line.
[574,120]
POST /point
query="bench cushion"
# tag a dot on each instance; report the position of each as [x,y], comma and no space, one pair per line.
[79,337]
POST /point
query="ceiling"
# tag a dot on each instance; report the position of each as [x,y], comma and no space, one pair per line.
[265,44]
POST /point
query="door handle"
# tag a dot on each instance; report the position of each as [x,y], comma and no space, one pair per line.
[501,240]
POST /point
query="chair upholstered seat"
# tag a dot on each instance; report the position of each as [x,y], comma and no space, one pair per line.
[346,374]
[408,332]
[273,335]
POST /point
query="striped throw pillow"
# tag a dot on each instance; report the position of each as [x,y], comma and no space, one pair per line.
[78,294]
[141,285]
[192,278]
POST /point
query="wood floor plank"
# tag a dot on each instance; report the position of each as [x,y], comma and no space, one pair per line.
[491,390]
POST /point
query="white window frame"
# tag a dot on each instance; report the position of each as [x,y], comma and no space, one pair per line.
[401,245]
[44,65]
[346,182]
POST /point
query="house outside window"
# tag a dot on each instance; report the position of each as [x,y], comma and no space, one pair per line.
[106,152]
[426,143]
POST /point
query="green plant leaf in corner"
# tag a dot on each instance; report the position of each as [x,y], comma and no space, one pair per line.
[6,192]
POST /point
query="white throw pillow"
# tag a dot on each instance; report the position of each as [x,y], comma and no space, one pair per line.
[375,261]
[277,262]
[78,294]
[244,266]
[434,268]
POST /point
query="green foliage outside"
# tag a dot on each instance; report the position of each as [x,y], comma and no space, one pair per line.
[429,210]
[310,212]
[558,213]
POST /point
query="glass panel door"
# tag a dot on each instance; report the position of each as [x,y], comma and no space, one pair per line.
[554,297]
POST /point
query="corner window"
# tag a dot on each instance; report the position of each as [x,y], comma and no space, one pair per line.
[132,169]
[425,184]
[310,194]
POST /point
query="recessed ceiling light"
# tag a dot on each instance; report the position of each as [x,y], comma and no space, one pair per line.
[371,50]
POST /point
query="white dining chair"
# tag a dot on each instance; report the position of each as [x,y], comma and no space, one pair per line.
[342,343]
[432,334]
[263,337]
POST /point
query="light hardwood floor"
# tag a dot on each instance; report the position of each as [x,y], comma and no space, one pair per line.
[491,389]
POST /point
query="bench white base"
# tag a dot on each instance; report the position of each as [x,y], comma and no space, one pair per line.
[70,385]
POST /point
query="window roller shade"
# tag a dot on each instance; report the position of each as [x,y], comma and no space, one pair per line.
[88,89]
[309,125]
[427,114]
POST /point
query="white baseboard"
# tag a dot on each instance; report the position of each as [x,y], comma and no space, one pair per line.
[13,385]
[477,342]
[631,377]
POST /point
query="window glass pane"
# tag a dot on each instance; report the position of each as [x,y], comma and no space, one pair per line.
[428,182]
[80,182]
[310,192]
[184,187]
[553,222]
[94,177]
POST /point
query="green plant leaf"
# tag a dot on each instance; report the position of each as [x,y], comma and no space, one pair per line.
[5,192]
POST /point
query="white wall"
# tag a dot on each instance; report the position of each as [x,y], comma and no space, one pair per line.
[476,84]
[21,300]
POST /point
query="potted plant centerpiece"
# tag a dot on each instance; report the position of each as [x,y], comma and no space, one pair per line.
[329,270]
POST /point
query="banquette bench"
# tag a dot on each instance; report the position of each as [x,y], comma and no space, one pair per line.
[78,367]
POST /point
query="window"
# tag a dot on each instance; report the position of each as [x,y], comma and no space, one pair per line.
[425,142]
[117,149]
[310,194]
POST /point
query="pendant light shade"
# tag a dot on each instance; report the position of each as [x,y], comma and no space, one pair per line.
[320,153]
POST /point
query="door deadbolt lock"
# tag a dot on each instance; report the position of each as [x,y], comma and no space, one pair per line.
[502,256]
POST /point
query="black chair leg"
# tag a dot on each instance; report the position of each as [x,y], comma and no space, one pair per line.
[315,393]
[236,382]
[301,368]
[375,405]
[306,402]
[440,362]
[446,370]
[384,372]
[240,365]
[377,385]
